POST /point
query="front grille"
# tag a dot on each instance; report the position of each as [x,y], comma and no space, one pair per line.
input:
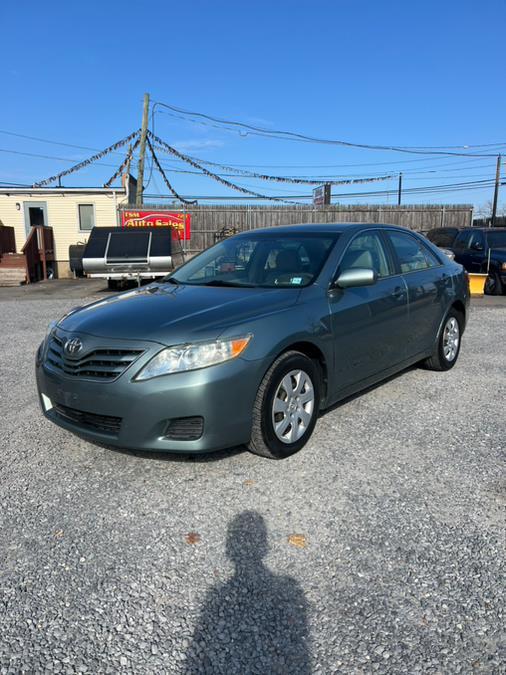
[184,429]
[99,364]
[103,423]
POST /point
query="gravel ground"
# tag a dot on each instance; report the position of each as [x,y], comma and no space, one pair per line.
[379,548]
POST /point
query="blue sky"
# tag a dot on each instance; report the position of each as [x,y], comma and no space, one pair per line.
[403,73]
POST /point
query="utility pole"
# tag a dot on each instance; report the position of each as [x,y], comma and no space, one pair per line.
[496,190]
[142,152]
[399,193]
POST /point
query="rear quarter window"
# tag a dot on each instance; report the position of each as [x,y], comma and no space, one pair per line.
[412,254]
[442,237]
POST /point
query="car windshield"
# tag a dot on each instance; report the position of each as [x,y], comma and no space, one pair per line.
[259,260]
[496,239]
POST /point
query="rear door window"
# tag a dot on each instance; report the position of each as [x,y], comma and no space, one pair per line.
[442,237]
[412,254]
[430,256]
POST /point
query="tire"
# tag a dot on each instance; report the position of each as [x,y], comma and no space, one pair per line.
[76,252]
[112,284]
[447,352]
[274,435]
[493,284]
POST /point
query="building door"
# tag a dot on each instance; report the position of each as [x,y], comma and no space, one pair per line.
[35,214]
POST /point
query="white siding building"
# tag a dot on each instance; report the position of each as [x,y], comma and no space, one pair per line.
[71,212]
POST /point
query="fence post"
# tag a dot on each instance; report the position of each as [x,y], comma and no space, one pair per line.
[443,216]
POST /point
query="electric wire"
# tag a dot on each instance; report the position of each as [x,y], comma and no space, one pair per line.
[295,136]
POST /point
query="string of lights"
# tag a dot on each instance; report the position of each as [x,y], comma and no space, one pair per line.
[423,171]
[235,166]
[90,160]
[124,164]
[211,174]
[299,180]
[165,179]
[428,190]
[198,167]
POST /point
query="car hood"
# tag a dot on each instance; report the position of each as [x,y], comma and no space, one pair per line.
[171,314]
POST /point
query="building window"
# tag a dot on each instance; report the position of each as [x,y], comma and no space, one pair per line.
[86,217]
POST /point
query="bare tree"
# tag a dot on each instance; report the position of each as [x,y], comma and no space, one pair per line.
[485,210]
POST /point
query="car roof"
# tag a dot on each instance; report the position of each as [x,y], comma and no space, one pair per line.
[321,228]
[482,229]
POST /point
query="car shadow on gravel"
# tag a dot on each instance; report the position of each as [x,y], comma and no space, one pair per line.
[256,622]
[197,458]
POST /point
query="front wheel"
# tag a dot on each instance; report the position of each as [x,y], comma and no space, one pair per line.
[448,344]
[286,407]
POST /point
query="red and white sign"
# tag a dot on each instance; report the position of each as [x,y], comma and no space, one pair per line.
[180,222]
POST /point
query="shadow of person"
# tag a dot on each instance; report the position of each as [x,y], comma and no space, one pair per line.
[256,622]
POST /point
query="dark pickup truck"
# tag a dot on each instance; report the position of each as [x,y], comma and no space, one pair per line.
[477,249]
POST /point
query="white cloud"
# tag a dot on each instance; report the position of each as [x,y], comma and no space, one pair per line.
[259,122]
[197,144]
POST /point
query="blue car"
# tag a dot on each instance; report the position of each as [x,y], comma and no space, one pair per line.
[249,341]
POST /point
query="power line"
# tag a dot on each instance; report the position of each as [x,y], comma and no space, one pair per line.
[294,136]
[199,173]
[45,140]
[338,166]
[355,195]
[61,159]
[429,189]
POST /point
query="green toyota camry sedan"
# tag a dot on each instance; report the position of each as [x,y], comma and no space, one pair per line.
[249,341]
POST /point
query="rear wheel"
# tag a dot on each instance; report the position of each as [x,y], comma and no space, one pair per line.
[286,406]
[493,284]
[448,344]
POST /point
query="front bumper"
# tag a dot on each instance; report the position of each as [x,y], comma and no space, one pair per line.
[223,395]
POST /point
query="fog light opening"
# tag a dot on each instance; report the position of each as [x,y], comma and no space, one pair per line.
[184,429]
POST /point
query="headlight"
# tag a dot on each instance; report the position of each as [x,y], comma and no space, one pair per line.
[192,357]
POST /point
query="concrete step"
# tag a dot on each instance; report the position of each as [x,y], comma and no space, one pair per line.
[12,276]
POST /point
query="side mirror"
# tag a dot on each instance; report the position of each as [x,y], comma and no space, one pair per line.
[477,246]
[356,276]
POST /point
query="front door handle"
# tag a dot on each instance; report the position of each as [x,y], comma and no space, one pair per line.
[398,292]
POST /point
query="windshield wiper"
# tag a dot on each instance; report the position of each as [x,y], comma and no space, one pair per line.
[171,280]
[223,282]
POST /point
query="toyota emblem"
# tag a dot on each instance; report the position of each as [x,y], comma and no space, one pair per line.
[73,346]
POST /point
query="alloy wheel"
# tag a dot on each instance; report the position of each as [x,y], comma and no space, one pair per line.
[293,406]
[451,338]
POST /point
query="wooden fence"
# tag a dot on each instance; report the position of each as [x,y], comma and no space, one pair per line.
[208,221]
